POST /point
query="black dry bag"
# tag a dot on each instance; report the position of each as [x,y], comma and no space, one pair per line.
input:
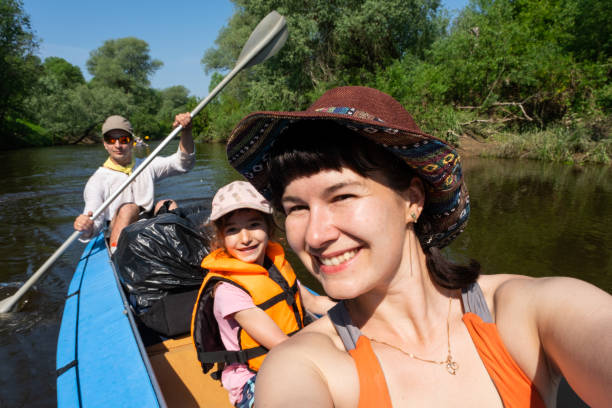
[158,262]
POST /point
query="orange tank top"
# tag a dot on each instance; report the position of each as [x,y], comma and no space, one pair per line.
[514,387]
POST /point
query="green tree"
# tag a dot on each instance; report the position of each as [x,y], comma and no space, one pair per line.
[592,30]
[18,64]
[329,43]
[507,58]
[47,105]
[68,114]
[123,63]
[173,100]
[65,73]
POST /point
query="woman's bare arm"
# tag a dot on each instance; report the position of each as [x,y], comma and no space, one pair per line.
[290,377]
[574,324]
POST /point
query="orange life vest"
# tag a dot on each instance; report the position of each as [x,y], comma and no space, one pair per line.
[274,290]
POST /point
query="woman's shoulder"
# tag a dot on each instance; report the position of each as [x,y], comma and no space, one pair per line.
[319,338]
[494,286]
[318,362]
[502,288]
[518,299]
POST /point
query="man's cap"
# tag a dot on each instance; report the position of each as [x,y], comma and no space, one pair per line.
[117,122]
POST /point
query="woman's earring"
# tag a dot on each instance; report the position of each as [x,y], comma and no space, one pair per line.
[414,217]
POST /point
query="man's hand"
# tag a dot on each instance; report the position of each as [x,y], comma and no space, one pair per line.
[183,119]
[186,143]
[85,224]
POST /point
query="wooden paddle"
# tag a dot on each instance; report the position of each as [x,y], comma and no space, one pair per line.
[265,41]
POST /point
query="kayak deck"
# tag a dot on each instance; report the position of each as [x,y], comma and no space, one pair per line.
[99,361]
[180,376]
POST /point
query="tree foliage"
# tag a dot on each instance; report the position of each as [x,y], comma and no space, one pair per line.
[19,67]
[507,62]
[329,43]
[123,63]
[501,65]
[66,74]
[69,108]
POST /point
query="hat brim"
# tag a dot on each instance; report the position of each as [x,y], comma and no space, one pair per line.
[436,162]
[240,206]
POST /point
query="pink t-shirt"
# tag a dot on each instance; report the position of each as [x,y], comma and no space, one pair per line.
[230,299]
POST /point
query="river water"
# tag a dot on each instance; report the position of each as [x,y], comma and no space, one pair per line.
[531,218]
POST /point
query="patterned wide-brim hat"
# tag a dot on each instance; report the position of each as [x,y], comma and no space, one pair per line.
[380,118]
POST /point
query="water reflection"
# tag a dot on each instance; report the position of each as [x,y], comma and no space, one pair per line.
[539,219]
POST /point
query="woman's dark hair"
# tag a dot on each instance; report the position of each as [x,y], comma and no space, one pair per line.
[309,146]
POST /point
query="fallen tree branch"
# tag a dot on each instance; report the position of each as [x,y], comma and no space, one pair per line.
[519,104]
[84,134]
[501,120]
[452,132]
[512,116]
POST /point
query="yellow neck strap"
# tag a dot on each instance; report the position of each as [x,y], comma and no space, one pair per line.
[109,164]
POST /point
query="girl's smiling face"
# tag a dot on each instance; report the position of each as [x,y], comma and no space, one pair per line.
[245,235]
[348,230]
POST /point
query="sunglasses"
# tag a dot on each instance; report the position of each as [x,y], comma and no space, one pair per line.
[121,139]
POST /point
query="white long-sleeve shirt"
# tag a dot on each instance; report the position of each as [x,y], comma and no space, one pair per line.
[141,191]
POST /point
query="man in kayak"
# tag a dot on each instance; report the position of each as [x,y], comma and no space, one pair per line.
[136,200]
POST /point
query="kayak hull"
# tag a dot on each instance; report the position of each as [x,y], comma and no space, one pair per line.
[100,359]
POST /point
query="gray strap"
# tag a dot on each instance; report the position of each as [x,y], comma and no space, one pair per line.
[344,326]
[474,302]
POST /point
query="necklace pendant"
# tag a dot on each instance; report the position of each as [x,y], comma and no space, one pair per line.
[451,366]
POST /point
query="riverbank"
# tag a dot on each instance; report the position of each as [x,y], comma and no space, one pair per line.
[557,144]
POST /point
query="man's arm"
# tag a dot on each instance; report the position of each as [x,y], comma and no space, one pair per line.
[183,160]
[93,195]
[85,224]
[186,143]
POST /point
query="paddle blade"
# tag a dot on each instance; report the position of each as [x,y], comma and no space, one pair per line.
[265,41]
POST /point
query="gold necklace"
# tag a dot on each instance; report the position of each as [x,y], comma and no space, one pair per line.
[451,366]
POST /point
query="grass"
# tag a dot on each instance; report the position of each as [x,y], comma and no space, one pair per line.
[555,144]
[21,133]
[575,141]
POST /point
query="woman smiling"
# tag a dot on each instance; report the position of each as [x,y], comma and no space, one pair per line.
[369,201]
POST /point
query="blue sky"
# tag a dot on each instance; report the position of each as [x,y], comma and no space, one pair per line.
[178,33]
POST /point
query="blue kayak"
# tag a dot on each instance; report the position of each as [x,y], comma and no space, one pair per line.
[100,358]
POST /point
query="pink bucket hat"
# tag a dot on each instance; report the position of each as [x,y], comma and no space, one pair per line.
[237,195]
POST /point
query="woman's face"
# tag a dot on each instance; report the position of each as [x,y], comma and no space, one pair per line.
[348,230]
[245,236]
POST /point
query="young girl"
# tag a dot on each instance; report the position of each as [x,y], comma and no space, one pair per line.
[250,299]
